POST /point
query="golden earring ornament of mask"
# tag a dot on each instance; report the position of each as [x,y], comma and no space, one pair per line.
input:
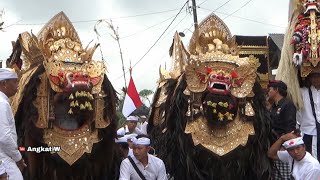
[188,113]
[249,110]
[201,108]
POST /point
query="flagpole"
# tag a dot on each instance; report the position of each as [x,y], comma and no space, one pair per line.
[130,69]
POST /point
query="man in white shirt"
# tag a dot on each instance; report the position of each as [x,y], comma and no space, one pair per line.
[143,124]
[125,145]
[9,153]
[130,127]
[149,166]
[122,143]
[303,165]
[306,117]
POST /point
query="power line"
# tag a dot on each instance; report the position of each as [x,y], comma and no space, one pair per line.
[252,20]
[166,51]
[211,10]
[220,6]
[158,38]
[237,9]
[146,28]
[202,2]
[137,32]
[175,27]
[10,25]
[160,12]
[161,34]
[95,20]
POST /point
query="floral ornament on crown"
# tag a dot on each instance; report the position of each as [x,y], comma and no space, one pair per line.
[305,38]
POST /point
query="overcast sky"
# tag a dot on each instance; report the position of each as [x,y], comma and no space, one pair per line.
[140,22]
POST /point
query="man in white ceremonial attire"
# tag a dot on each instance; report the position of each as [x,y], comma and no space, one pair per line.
[303,165]
[309,116]
[143,124]
[142,165]
[125,145]
[9,153]
[130,127]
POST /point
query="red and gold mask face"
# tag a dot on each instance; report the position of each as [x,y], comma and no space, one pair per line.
[218,91]
[71,76]
[219,81]
[70,98]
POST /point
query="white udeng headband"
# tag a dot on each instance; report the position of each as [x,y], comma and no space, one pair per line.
[293,143]
[121,139]
[7,73]
[132,118]
[141,141]
[130,136]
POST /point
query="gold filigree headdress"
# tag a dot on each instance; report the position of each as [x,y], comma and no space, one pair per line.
[58,47]
[69,71]
[213,69]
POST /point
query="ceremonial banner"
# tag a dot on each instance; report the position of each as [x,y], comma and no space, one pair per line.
[132,100]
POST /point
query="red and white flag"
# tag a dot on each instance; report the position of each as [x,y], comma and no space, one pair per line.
[132,100]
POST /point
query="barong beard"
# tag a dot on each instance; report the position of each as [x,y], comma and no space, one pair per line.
[79,103]
[219,109]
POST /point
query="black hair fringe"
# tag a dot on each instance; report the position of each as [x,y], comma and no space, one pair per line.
[101,164]
[185,161]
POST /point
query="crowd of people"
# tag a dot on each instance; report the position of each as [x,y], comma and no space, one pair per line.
[294,150]
[290,152]
[139,160]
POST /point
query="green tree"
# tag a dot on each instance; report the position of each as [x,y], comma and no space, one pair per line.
[145,93]
[1,28]
[1,22]
[142,110]
[119,108]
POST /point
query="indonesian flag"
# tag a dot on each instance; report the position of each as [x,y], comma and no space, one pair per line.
[132,100]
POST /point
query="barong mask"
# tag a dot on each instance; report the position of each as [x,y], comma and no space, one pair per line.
[70,99]
[223,80]
[219,87]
